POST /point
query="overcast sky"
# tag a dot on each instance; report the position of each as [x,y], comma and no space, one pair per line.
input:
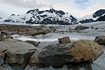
[77,8]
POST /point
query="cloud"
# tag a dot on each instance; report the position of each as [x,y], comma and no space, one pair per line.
[25,3]
[78,8]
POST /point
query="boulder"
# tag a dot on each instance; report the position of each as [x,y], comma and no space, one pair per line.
[85,50]
[38,32]
[16,53]
[33,42]
[64,40]
[58,55]
[81,28]
[9,37]
[70,29]
[34,61]
[1,38]
[4,32]
[100,40]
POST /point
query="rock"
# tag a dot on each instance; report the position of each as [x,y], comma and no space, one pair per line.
[81,28]
[1,38]
[58,55]
[6,66]
[9,37]
[85,50]
[97,28]
[100,40]
[16,53]
[38,33]
[34,61]
[70,29]
[4,32]
[64,40]
[33,42]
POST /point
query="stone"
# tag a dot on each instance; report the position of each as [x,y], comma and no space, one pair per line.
[1,38]
[4,32]
[64,40]
[34,61]
[85,50]
[58,55]
[16,53]
[100,40]
[81,27]
[9,37]
[38,32]
[70,29]
[33,42]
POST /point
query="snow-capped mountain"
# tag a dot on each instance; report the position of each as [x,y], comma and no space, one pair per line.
[97,16]
[51,16]
[99,13]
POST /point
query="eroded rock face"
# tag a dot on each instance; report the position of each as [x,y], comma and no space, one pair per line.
[64,40]
[100,40]
[85,50]
[16,53]
[58,55]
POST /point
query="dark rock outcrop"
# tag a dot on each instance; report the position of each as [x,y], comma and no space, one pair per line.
[102,18]
[87,20]
[99,13]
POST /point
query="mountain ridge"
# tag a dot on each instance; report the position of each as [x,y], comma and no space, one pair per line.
[51,16]
[96,16]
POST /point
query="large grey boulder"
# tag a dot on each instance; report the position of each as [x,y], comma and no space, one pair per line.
[58,55]
[100,40]
[17,53]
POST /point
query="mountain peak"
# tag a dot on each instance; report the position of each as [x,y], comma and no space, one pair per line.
[50,16]
[30,11]
[99,13]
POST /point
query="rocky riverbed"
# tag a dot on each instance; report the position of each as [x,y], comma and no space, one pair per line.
[57,47]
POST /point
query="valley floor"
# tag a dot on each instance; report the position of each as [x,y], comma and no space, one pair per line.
[95,29]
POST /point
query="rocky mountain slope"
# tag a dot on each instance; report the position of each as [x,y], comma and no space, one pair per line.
[51,16]
[97,16]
